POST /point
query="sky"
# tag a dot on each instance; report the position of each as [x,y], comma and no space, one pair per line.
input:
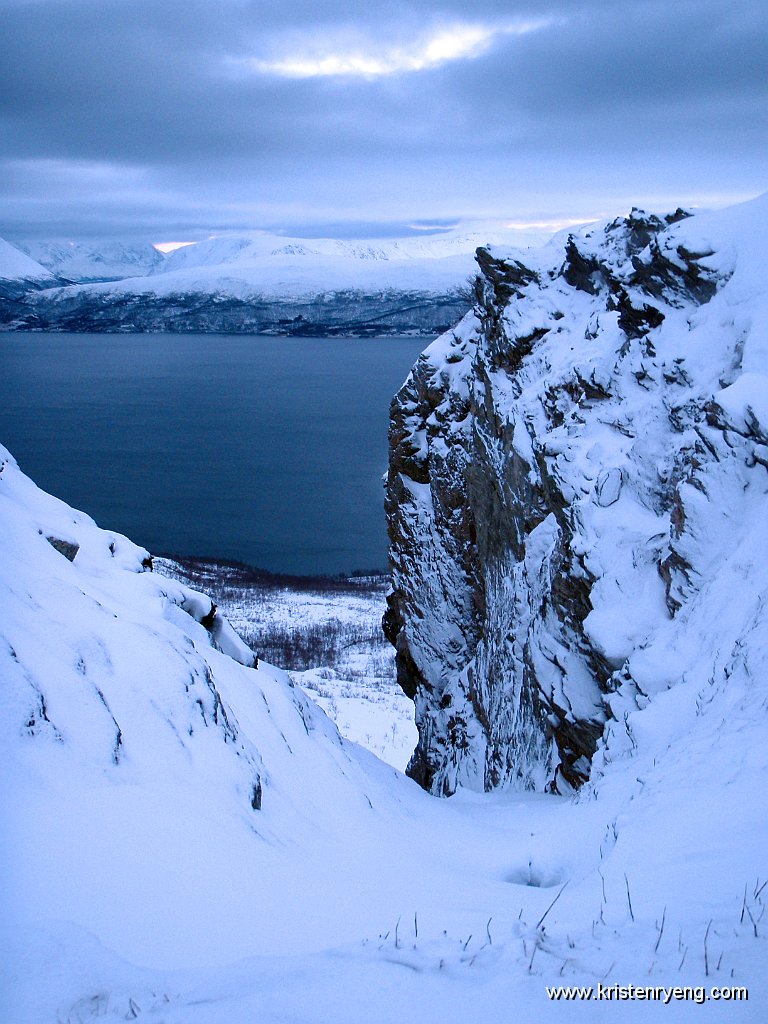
[170,120]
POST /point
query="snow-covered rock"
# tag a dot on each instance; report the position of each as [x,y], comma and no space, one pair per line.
[578,481]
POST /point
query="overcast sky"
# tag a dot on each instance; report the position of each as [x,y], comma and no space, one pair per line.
[176,119]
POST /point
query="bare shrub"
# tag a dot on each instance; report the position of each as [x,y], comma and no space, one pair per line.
[303,647]
[249,594]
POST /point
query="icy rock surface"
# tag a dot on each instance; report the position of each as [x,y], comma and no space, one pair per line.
[577,477]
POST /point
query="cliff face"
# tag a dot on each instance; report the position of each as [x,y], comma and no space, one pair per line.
[569,470]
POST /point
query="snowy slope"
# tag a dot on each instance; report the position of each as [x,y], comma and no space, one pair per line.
[325,295]
[141,882]
[19,272]
[136,751]
[253,250]
[278,266]
[290,275]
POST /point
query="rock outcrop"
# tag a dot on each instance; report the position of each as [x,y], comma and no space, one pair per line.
[569,468]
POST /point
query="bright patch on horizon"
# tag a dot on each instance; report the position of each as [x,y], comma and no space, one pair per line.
[549,225]
[431,228]
[458,42]
[166,247]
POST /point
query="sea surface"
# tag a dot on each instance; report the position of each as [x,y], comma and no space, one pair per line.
[266,450]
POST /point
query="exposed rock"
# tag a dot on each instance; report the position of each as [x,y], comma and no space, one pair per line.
[64,547]
[583,272]
[608,487]
[634,322]
[665,273]
[256,795]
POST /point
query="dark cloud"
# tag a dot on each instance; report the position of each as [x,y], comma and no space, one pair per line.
[120,115]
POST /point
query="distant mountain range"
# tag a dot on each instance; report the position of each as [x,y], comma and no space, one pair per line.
[86,262]
[256,284]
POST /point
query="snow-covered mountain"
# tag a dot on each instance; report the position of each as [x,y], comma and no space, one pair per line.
[101,260]
[578,503]
[252,250]
[272,284]
[19,273]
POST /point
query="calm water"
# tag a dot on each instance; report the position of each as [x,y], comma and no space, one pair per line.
[266,450]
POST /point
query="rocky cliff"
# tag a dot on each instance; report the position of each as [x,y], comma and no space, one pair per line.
[572,471]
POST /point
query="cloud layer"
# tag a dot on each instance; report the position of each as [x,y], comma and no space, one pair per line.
[171,119]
